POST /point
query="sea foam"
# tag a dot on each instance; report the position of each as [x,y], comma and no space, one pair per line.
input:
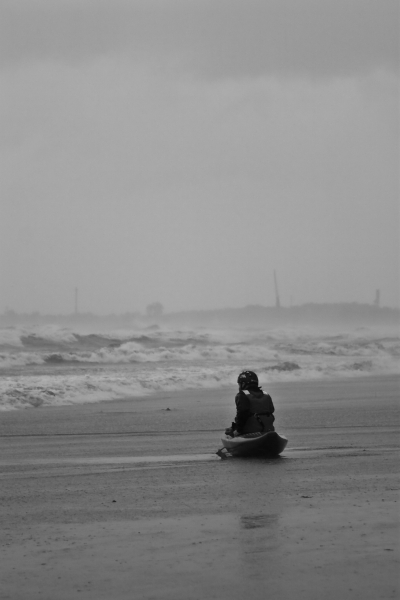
[50,366]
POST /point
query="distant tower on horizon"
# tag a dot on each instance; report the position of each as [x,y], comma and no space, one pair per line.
[377,300]
[76,300]
[277,301]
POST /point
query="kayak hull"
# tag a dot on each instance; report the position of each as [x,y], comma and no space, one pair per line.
[270,443]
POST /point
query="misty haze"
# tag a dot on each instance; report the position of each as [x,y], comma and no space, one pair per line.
[199,299]
[180,152]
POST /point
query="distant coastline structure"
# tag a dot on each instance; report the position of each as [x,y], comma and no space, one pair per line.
[277,301]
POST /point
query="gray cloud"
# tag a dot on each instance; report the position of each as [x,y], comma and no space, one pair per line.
[213,38]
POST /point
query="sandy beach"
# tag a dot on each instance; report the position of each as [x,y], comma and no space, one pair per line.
[127,499]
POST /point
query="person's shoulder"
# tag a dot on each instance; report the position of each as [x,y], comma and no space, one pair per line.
[240,396]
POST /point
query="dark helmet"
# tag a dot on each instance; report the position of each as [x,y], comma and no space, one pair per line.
[248,379]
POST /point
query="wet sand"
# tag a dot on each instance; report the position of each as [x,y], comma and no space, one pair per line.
[127,499]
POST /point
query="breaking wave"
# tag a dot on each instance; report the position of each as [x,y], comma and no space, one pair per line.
[52,365]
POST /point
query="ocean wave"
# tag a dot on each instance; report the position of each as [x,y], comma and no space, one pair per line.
[62,337]
[132,352]
[64,387]
[54,345]
[49,366]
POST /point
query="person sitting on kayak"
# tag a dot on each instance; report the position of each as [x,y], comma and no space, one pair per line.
[254,409]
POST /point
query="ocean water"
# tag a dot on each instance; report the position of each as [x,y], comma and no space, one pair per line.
[52,365]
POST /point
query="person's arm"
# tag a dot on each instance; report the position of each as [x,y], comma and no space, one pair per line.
[271,407]
[242,411]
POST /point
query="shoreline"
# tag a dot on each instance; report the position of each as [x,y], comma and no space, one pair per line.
[161,410]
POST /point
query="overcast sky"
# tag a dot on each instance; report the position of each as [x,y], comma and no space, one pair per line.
[181,150]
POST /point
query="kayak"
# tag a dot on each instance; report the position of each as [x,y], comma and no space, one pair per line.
[270,443]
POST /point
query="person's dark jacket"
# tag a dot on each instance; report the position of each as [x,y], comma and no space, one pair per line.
[255,402]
